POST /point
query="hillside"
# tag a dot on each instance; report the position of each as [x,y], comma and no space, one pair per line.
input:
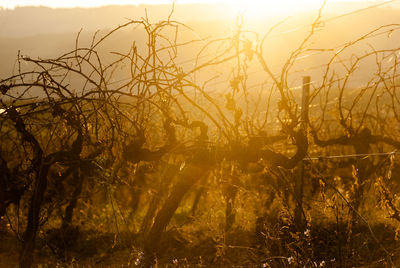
[44,32]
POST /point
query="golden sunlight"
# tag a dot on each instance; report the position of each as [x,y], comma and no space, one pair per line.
[259,8]
[262,8]
[199,133]
[249,7]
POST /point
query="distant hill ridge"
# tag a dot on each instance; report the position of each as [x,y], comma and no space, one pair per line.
[45,32]
[30,21]
[25,21]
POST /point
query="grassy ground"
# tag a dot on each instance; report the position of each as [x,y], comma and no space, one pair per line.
[276,246]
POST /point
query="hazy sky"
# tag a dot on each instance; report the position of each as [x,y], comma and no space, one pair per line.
[252,8]
[91,3]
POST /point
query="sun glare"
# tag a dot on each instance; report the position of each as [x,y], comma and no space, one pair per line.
[258,8]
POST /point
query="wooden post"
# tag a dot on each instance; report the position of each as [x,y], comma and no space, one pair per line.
[299,217]
[305,101]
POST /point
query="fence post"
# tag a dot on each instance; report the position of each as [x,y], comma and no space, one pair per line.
[299,216]
[305,101]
